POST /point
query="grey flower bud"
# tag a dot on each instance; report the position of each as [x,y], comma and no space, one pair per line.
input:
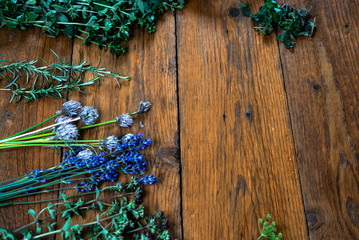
[110,143]
[144,107]
[85,154]
[125,120]
[127,137]
[60,120]
[89,115]
[71,108]
[67,132]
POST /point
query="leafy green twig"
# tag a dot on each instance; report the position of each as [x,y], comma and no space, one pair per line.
[272,16]
[268,229]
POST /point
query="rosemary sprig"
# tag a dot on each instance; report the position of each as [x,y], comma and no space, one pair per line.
[53,80]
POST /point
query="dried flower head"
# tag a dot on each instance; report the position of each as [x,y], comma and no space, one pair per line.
[144,107]
[110,143]
[71,108]
[127,137]
[60,120]
[125,120]
[85,154]
[67,132]
[89,115]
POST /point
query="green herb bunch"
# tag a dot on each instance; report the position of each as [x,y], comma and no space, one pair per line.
[52,80]
[119,216]
[268,229]
[272,16]
[106,23]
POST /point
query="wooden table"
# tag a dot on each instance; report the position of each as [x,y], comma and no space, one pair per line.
[241,126]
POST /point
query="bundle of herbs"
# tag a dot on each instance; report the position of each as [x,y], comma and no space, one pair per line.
[118,216]
[64,132]
[52,80]
[272,16]
[106,23]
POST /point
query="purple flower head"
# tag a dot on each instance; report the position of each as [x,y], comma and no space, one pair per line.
[89,115]
[110,143]
[144,107]
[60,120]
[125,120]
[127,137]
[71,108]
[67,132]
[85,154]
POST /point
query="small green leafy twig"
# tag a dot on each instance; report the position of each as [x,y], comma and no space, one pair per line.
[53,80]
[268,229]
[272,16]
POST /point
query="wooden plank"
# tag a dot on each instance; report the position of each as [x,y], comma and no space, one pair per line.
[151,62]
[237,153]
[321,79]
[26,45]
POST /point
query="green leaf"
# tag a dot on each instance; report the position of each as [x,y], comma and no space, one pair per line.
[31,2]
[67,225]
[32,213]
[140,6]
[63,196]
[245,10]
[97,193]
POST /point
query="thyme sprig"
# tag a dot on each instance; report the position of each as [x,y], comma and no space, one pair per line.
[52,80]
[273,16]
[105,23]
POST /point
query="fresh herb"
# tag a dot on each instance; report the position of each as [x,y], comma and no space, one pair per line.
[268,229]
[53,80]
[272,16]
[121,218]
[106,23]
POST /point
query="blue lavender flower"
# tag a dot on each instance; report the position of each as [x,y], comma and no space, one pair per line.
[127,137]
[144,107]
[71,108]
[125,120]
[147,180]
[110,143]
[89,115]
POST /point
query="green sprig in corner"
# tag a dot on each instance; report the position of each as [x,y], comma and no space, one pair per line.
[268,229]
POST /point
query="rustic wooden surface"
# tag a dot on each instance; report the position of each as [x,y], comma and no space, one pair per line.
[241,126]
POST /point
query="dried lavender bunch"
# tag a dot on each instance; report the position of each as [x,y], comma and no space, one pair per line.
[106,23]
[65,132]
[83,169]
[121,218]
[53,80]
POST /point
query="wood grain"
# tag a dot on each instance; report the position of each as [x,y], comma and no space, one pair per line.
[237,153]
[151,62]
[321,79]
[26,45]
